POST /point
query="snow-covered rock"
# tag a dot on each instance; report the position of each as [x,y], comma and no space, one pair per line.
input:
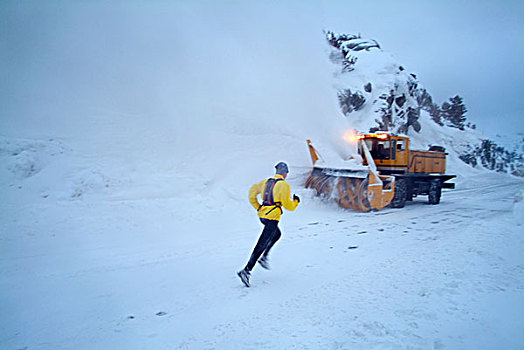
[377,93]
[24,158]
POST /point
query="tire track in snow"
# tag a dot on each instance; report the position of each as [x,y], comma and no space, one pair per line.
[419,272]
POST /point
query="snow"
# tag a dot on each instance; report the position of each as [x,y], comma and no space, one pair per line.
[510,141]
[123,246]
[518,207]
[124,230]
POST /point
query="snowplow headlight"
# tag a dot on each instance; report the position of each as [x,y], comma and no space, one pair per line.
[376,136]
[351,137]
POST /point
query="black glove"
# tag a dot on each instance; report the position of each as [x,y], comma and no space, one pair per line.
[295,197]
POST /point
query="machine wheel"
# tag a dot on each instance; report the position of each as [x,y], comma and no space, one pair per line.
[435,190]
[363,195]
[401,193]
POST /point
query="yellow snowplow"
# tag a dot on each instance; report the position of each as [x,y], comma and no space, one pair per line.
[355,186]
[387,172]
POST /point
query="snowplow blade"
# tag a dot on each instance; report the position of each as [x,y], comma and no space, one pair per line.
[357,189]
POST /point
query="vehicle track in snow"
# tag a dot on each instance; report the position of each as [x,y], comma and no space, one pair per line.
[397,278]
[417,276]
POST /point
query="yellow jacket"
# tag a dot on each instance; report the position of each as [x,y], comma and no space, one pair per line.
[281,194]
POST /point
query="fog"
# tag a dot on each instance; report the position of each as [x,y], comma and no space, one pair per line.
[63,63]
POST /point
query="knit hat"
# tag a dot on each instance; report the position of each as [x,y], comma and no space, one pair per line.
[281,168]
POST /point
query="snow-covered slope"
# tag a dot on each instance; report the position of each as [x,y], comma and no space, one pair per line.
[121,249]
[376,92]
[124,230]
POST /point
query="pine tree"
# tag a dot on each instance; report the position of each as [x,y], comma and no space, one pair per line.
[424,99]
[454,112]
[435,113]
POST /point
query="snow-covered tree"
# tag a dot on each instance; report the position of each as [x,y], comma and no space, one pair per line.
[494,157]
[453,112]
[436,114]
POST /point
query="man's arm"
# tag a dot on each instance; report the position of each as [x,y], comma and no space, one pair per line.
[253,193]
[283,193]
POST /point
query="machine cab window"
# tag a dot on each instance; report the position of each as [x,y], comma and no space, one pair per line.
[401,145]
[380,149]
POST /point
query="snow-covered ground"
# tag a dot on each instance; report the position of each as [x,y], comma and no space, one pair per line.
[135,246]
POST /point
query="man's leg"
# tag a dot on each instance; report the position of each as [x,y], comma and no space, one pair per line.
[275,238]
[266,238]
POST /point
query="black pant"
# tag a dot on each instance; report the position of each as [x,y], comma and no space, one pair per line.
[270,235]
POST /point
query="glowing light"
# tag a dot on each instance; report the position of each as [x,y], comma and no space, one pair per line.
[351,136]
[381,136]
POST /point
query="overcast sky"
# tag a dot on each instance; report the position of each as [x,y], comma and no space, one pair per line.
[60,56]
[472,48]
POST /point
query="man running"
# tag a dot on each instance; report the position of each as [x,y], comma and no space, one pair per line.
[275,194]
